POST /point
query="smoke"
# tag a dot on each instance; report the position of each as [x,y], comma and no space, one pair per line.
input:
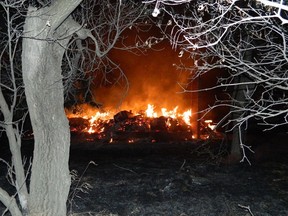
[152,80]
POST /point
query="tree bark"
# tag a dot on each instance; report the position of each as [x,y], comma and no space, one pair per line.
[50,180]
[42,54]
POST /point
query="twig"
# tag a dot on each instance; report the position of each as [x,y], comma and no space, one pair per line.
[183,164]
[79,187]
[125,168]
[247,208]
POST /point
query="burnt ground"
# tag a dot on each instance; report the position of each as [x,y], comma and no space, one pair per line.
[171,179]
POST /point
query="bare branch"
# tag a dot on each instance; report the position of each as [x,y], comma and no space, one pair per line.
[247,41]
[10,203]
[103,25]
[58,15]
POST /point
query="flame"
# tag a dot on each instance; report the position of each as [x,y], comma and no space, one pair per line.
[94,121]
[150,111]
[171,113]
[94,118]
[97,118]
[187,116]
[112,126]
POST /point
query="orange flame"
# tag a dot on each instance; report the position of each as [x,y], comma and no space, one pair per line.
[186,116]
[150,111]
[95,118]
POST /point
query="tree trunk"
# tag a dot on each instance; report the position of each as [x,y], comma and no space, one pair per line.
[41,65]
[239,95]
[239,132]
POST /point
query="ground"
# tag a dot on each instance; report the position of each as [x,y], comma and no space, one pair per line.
[168,179]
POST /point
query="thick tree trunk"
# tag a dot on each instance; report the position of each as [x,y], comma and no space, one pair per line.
[50,180]
[41,64]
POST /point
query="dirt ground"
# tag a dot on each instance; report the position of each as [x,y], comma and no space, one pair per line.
[167,179]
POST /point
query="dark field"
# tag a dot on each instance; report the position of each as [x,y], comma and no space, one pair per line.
[171,179]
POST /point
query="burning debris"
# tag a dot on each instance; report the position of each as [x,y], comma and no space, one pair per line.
[131,127]
[128,126]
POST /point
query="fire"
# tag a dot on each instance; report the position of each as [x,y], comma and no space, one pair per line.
[171,113]
[98,120]
[94,120]
[150,125]
[150,111]
[187,116]
[131,141]
[210,124]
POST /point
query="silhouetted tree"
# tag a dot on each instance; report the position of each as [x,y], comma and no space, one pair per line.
[60,41]
[245,39]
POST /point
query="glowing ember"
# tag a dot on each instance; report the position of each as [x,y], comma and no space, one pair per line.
[210,124]
[130,141]
[90,130]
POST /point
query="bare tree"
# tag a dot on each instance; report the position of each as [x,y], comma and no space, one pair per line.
[247,41]
[110,25]
[58,41]
[11,90]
